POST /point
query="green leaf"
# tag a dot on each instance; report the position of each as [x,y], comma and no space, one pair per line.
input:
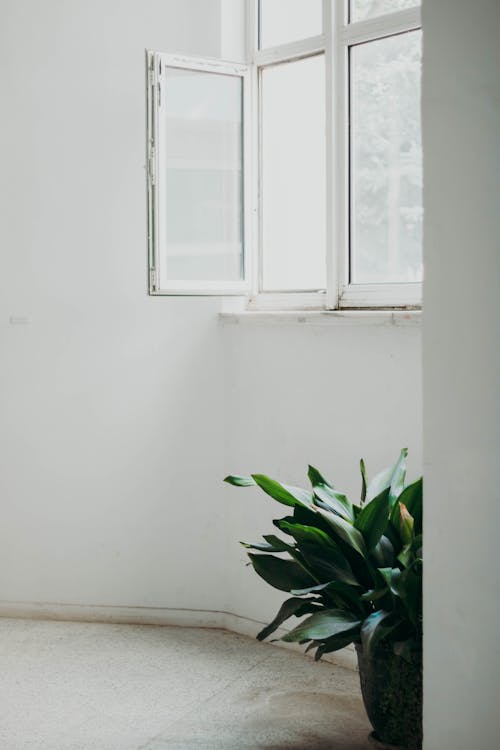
[398,477]
[392,478]
[373,519]
[284,575]
[263,546]
[386,575]
[376,627]
[293,606]
[330,566]
[335,643]
[323,625]
[345,531]
[278,544]
[362,468]
[334,501]
[316,478]
[412,497]
[283,493]
[373,594]
[237,481]
[310,534]
[383,552]
[405,557]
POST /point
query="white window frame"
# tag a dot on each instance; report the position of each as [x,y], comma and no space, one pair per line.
[335,42]
[158,282]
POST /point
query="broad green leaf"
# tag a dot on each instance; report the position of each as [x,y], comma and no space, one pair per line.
[310,534]
[397,583]
[345,531]
[362,468]
[310,517]
[279,544]
[349,593]
[412,497]
[385,574]
[284,575]
[391,478]
[328,564]
[283,493]
[349,596]
[373,594]
[293,606]
[335,643]
[391,578]
[376,627]
[373,519]
[383,552]
[398,477]
[239,481]
[316,478]
[334,501]
[406,557]
[323,625]
[263,546]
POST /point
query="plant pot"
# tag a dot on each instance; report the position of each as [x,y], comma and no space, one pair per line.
[392,693]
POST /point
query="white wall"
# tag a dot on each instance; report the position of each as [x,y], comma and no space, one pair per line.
[302,393]
[110,429]
[121,414]
[461,126]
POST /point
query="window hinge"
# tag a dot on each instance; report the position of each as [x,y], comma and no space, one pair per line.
[153,279]
[151,165]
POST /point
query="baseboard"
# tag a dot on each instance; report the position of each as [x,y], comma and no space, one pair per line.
[187,618]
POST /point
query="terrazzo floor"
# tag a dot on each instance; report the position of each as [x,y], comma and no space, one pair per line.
[90,686]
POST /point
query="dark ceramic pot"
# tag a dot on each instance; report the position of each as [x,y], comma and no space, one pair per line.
[392,693]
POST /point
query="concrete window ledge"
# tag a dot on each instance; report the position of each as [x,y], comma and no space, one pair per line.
[404,318]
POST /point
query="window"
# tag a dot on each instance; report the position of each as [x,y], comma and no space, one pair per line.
[295,179]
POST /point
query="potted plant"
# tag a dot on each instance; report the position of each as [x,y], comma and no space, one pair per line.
[355,570]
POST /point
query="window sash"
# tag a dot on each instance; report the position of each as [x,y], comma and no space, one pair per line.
[337,38]
[158,282]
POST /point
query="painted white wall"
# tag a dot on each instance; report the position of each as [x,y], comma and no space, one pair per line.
[302,393]
[461,348]
[121,414]
[111,402]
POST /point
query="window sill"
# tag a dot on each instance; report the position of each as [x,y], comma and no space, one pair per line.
[403,318]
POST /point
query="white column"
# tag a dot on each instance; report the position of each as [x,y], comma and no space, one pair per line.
[461,133]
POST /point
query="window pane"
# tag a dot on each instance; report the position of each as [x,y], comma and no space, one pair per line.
[386,160]
[361,9]
[283,21]
[204,217]
[293,175]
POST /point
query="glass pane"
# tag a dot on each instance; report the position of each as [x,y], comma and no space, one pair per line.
[293,175]
[204,216]
[282,21]
[386,160]
[361,9]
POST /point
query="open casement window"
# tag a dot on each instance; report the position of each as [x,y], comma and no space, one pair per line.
[197,176]
[296,180]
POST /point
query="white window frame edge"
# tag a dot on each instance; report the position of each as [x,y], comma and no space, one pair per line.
[158,285]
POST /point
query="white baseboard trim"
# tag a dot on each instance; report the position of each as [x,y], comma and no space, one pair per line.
[186,618]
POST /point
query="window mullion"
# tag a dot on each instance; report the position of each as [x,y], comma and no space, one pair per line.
[332,285]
